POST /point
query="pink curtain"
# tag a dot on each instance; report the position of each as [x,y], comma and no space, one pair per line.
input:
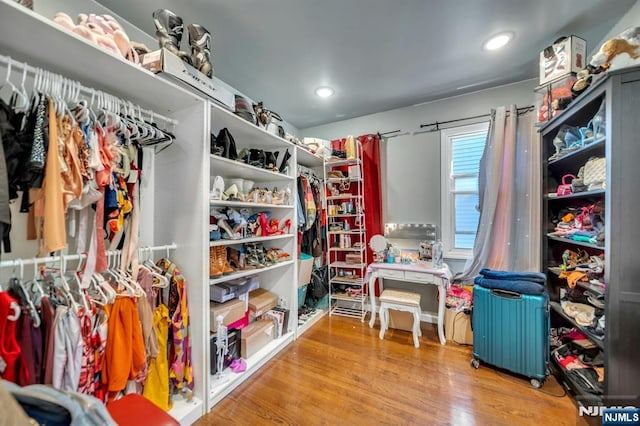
[508,236]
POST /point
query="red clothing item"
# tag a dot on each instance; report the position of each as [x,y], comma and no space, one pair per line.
[12,365]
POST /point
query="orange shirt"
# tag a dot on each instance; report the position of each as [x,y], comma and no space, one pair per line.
[125,354]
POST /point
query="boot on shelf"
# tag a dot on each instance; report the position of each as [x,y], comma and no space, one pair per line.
[223,264]
[169,32]
[200,42]
[214,269]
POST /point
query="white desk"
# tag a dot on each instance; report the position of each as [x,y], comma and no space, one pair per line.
[411,273]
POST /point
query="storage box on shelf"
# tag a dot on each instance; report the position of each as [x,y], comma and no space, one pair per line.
[346,235]
[591,267]
[562,58]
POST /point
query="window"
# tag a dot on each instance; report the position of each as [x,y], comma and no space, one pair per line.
[462,149]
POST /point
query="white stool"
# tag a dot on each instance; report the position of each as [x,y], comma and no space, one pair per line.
[400,301]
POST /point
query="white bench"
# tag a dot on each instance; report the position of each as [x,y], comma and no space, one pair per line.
[400,301]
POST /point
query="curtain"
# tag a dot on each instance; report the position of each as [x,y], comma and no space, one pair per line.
[508,236]
[372,187]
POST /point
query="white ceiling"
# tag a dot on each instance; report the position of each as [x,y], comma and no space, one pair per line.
[377,54]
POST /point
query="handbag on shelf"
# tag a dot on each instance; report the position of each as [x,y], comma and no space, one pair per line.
[595,173]
[565,188]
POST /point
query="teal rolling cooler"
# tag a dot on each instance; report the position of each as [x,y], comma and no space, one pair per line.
[511,331]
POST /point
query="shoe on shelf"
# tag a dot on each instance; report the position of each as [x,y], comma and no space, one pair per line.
[200,42]
[169,32]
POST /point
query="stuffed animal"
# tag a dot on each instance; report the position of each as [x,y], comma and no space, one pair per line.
[627,42]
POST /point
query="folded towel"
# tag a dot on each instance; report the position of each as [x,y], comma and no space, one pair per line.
[535,277]
[518,286]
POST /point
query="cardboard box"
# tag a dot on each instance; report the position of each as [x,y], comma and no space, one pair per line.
[261,300]
[562,58]
[400,320]
[457,327]
[255,336]
[167,64]
[233,310]
[305,267]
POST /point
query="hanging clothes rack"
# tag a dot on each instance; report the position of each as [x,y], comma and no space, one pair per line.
[76,257]
[88,92]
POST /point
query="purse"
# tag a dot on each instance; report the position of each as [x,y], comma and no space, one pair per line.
[565,188]
[595,173]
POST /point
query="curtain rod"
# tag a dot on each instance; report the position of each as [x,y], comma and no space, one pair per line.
[436,125]
[88,91]
[388,133]
[71,257]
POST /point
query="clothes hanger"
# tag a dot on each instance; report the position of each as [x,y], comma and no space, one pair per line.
[18,285]
[138,290]
[35,289]
[122,282]
[159,280]
[67,289]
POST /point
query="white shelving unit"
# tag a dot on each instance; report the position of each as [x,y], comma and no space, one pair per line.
[172,177]
[279,278]
[346,236]
[175,193]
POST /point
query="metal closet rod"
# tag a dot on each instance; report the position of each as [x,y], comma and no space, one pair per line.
[436,124]
[72,257]
[87,91]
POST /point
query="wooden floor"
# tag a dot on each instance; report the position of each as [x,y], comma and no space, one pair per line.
[340,373]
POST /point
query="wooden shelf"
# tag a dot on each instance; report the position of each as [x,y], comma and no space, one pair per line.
[346,249]
[598,342]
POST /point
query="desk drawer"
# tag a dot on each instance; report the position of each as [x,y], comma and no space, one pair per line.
[390,273]
[419,276]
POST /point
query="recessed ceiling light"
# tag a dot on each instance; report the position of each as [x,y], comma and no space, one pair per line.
[324,92]
[498,41]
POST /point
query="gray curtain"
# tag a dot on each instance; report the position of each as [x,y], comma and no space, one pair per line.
[509,231]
